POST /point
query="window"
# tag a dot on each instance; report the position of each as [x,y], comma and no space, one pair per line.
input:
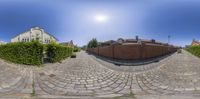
[37,39]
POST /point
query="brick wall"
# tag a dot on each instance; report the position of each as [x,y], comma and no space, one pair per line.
[132,51]
[127,51]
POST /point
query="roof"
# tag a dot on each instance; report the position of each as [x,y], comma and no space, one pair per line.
[195,42]
[134,41]
[52,36]
[130,40]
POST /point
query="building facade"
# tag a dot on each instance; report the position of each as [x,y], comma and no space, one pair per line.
[195,42]
[2,42]
[70,43]
[35,33]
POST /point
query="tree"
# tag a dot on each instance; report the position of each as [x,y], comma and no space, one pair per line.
[84,47]
[92,43]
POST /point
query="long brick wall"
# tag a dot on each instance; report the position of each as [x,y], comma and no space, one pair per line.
[132,51]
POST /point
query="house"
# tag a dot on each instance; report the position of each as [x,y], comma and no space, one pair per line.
[195,42]
[122,41]
[35,33]
[70,43]
[110,42]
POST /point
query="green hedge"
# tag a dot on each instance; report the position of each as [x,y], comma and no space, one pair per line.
[76,49]
[56,52]
[30,53]
[195,50]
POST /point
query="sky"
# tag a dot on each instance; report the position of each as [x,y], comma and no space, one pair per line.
[82,20]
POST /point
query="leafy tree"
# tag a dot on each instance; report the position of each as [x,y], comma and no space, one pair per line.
[92,43]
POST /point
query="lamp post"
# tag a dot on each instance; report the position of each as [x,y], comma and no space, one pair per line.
[169,39]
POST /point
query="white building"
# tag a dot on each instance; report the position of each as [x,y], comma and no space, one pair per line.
[2,42]
[35,33]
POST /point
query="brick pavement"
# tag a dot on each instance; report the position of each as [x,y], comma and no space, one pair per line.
[88,76]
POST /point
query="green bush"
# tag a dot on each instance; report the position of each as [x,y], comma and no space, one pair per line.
[30,53]
[76,49]
[195,50]
[56,52]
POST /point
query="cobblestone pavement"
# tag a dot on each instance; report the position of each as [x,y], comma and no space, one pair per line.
[87,76]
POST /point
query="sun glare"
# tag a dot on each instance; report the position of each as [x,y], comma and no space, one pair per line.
[101,18]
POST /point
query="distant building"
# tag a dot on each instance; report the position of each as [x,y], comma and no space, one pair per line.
[122,41]
[2,42]
[187,46]
[35,33]
[70,43]
[195,42]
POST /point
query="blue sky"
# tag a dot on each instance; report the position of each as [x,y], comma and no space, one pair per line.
[75,19]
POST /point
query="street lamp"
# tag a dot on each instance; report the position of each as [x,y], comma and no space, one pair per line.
[169,39]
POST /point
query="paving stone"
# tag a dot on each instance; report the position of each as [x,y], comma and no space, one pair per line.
[87,75]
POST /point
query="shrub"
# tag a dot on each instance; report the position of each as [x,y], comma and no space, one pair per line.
[30,53]
[56,52]
[76,50]
[195,50]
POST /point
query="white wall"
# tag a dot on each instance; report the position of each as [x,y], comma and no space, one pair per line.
[33,34]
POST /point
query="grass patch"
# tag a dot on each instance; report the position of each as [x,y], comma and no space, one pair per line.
[33,89]
[131,94]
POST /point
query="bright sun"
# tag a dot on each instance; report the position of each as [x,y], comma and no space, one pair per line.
[101,18]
